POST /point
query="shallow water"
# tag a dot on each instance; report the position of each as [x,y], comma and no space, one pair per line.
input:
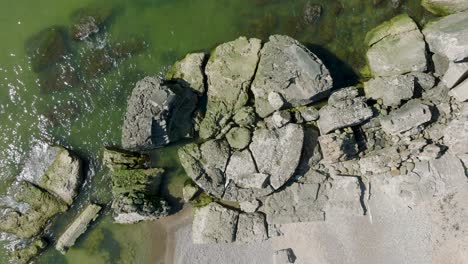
[87,116]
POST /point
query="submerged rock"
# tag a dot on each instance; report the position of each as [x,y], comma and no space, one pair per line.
[448,36]
[88,21]
[229,72]
[445,7]
[58,77]
[396,47]
[77,227]
[300,78]
[214,224]
[157,114]
[46,48]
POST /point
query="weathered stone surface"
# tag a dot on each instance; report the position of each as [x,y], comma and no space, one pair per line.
[189,192]
[445,7]
[380,161]
[343,94]
[26,253]
[392,90]
[345,113]
[300,78]
[456,72]
[189,72]
[448,36]
[309,113]
[54,169]
[440,64]
[249,206]
[206,164]
[240,163]
[40,207]
[239,137]
[396,47]
[345,197]
[116,159]
[338,147]
[281,118]
[230,71]
[456,136]
[410,115]
[448,174]
[284,256]
[251,228]
[275,100]
[460,92]
[157,114]
[214,224]
[277,152]
[46,48]
[245,117]
[77,227]
[425,80]
[296,203]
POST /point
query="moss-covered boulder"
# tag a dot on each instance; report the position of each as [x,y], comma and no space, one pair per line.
[46,47]
[116,159]
[25,253]
[190,72]
[445,7]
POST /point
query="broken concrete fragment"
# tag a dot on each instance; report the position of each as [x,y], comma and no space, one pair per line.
[456,72]
[392,90]
[410,115]
[251,228]
[214,223]
[77,228]
[460,92]
[345,113]
[284,256]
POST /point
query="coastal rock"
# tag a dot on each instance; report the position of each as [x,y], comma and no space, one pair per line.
[40,207]
[338,147]
[189,192]
[241,167]
[456,72]
[46,48]
[426,81]
[25,254]
[229,72]
[77,227]
[445,7]
[284,256]
[205,164]
[214,223]
[392,90]
[456,136]
[116,159]
[300,78]
[448,36]
[396,47]
[251,228]
[460,92]
[245,117]
[277,152]
[343,94]
[189,72]
[157,114]
[309,114]
[412,114]
[239,137]
[88,21]
[344,113]
[54,169]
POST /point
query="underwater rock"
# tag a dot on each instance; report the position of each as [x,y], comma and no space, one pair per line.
[157,114]
[454,28]
[190,72]
[40,207]
[88,21]
[24,254]
[77,227]
[127,48]
[312,12]
[396,47]
[392,90]
[229,72]
[445,7]
[55,170]
[410,115]
[300,78]
[46,48]
[97,62]
[214,223]
[58,77]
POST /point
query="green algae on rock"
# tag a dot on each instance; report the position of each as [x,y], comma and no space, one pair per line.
[25,254]
[445,7]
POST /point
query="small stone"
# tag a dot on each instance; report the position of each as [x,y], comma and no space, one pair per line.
[276,100]
[250,206]
[309,113]
[239,137]
[281,118]
[456,72]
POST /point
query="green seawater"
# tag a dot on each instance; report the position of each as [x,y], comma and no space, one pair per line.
[87,116]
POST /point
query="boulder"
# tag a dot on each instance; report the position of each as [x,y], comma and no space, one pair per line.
[190,72]
[214,223]
[284,256]
[344,113]
[456,136]
[239,137]
[277,152]
[396,47]
[460,92]
[309,114]
[26,253]
[54,169]
[456,73]
[77,227]
[448,36]
[88,21]
[46,48]
[245,117]
[251,228]
[189,192]
[229,72]
[426,81]
[444,7]
[300,78]
[392,90]
[343,94]
[280,118]
[157,114]
[411,115]
[241,166]
[116,159]
[338,147]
